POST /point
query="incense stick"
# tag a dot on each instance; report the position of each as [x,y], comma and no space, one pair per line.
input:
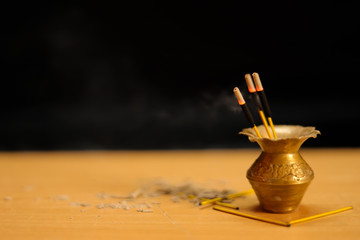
[227,205]
[281,223]
[230,196]
[256,98]
[240,194]
[246,110]
[211,201]
[265,104]
[305,219]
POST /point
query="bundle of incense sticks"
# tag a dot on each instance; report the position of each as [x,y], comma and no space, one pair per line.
[258,94]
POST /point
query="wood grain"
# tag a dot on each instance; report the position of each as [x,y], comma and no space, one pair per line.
[41,195]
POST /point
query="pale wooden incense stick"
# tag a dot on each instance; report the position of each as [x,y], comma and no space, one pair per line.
[227,205]
[246,110]
[256,98]
[305,219]
[210,201]
[226,210]
[265,104]
[230,196]
[282,223]
[240,194]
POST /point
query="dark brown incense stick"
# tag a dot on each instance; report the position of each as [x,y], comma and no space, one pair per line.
[265,104]
[246,110]
[256,98]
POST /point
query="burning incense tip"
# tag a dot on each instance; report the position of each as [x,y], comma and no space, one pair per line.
[239,96]
[249,83]
[257,81]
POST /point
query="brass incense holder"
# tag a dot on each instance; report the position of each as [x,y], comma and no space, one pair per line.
[280,176]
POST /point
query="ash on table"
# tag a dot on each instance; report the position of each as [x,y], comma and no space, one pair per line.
[186,191]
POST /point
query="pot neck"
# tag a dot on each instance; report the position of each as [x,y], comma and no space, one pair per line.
[288,145]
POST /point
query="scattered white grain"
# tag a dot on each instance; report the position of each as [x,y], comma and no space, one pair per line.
[80,204]
[145,210]
[100,206]
[62,198]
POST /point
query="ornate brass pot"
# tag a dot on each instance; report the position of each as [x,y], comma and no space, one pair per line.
[280,176]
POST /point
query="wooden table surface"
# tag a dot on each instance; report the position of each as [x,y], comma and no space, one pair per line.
[55,195]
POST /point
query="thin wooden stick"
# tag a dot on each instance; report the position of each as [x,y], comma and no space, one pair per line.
[305,219]
[209,201]
[230,196]
[227,205]
[226,210]
[240,194]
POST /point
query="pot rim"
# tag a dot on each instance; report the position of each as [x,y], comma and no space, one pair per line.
[284,132]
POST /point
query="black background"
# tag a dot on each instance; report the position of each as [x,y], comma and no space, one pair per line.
[151,75]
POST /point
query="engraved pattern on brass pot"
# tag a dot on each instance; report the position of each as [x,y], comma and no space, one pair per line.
[285,172]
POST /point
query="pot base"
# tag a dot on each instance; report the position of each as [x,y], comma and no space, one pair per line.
[279,198]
